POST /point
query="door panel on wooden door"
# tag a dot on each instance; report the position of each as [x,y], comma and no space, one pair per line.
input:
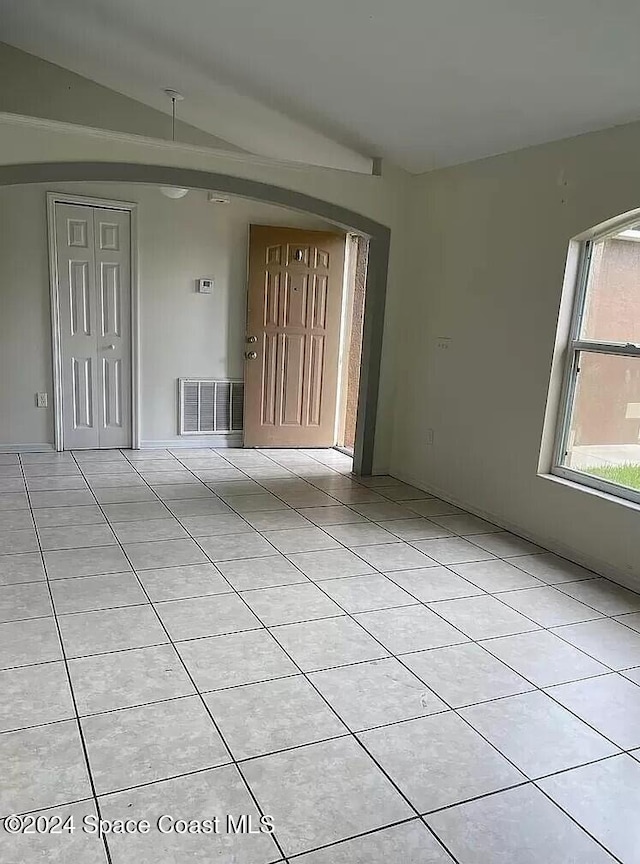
[94,297]
[294,309]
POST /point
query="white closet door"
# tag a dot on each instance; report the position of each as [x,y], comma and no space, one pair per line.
[94,295]
[77,307]
[113,287]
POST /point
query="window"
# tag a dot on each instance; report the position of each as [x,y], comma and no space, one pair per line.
[599,435]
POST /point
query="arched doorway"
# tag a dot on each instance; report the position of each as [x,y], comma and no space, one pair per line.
[378,235]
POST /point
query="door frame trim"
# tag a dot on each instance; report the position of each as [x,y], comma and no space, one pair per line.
[194,178]
[131,207]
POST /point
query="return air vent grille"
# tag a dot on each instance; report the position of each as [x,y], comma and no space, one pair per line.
[207,405]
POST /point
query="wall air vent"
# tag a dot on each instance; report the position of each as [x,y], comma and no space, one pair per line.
[207,405]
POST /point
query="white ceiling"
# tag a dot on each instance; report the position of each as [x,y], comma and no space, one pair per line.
[423,84]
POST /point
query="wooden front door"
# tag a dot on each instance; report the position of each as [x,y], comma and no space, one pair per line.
[293,337]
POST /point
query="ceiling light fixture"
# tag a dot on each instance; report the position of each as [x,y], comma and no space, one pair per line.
[173,192]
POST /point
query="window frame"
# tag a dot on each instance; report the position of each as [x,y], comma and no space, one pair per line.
[574,346]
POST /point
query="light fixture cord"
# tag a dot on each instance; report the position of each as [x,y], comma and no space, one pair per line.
[173,118]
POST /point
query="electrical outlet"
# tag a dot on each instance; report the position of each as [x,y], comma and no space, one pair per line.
[429,438]
[42,400]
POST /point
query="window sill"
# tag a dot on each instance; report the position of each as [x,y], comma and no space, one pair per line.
[591,490]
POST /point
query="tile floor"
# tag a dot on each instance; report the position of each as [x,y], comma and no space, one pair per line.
[199,633]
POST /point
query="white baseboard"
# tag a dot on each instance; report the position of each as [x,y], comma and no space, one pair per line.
[224,439]
[192,442]
[26,448]
[598,566]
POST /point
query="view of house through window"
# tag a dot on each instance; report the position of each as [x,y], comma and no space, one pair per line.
[601,432]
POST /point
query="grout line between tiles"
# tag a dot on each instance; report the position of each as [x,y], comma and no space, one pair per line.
[319,585]
[204,704]
[326,702]
[83,743]
[358,739]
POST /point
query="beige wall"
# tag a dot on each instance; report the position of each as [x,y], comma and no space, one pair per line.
[183,333]
[490,244]
[25,328]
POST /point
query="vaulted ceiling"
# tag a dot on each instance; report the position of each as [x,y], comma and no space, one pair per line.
[423,84]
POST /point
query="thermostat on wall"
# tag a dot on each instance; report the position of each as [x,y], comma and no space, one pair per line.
[204,285]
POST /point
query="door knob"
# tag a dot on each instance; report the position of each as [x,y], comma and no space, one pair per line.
[108,347]
[252,339]
[251,355]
